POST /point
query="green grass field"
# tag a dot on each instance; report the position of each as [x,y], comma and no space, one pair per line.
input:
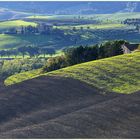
[59,42]
[116,17]
[108,18]
[8,41]
[15,23]
[94,26]
[16,41]
[41,17]
[116,74]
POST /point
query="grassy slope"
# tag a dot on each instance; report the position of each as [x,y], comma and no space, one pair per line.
[8,41]
[15,41]
[111,17]
[94,26]
[117,74]
[117,16]
[15,23]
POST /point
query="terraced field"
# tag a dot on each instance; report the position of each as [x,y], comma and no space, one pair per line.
[116,74]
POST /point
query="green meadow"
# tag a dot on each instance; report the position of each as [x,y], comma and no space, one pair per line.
[94,26]
[16,41]
[15,23]
[115,17]
[60,41]
[118,74]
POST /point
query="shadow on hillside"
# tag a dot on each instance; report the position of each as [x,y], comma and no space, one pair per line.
[56,107]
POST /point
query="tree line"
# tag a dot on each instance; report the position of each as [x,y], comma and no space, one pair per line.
[27,50]
[82,54]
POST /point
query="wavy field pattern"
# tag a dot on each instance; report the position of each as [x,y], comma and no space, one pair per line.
[116,74]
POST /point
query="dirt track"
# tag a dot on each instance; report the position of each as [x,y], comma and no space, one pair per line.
[53,107]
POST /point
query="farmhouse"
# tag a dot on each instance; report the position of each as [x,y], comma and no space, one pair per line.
[44,26]
[128,48]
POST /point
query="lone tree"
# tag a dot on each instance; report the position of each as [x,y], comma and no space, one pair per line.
[74,29]
[88,27]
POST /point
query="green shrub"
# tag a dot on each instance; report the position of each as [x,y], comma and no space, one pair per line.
[11,67]
[55,63]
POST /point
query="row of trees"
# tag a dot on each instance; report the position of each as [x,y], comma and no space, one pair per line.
[8,68]
[40,29]
[27,50]
[135,22]
[84,54]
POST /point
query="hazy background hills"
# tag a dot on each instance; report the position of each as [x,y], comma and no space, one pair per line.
[10,10]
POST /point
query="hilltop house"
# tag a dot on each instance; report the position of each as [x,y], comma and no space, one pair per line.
[128,48]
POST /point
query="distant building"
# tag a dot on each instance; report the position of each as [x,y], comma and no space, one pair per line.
[43,27]
[129,48]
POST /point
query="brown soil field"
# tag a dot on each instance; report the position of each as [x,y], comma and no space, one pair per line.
[56,107]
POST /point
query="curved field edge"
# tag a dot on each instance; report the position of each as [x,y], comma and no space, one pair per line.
[16,23]
[94,26]
[102,17]
[118,74]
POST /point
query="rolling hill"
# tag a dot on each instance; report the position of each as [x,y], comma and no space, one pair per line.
[96,99]
[72,7]
[109,29]
[16,41]
[19,10]
[110,23]
[15,23]
[118,74]
[94,26]
[66,38]
[63,107]
[8,14]
[115,17]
